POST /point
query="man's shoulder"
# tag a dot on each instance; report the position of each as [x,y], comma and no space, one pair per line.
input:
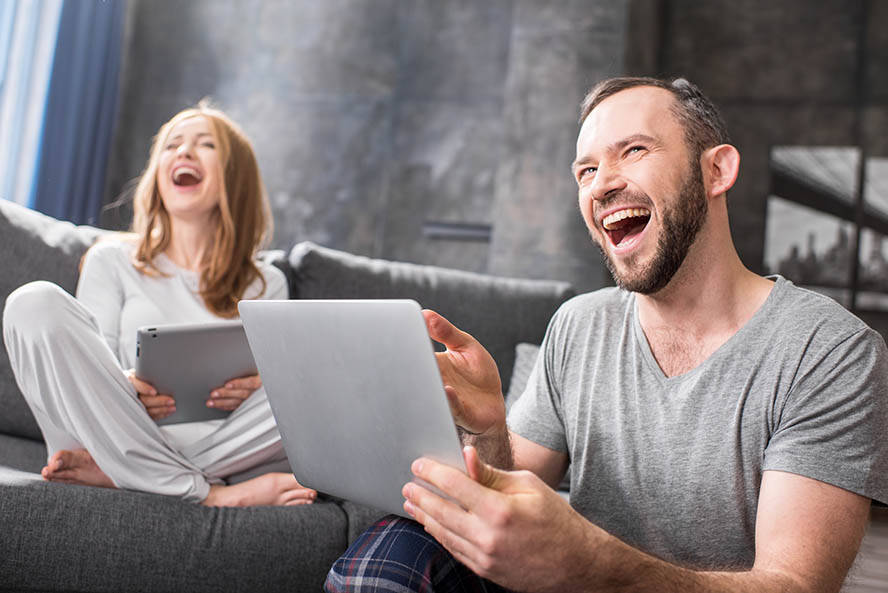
[605,305]
[607,298]
[801,309]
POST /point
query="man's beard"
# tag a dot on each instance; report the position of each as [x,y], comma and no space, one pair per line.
[681,222]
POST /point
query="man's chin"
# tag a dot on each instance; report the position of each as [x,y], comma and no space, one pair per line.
[644,281]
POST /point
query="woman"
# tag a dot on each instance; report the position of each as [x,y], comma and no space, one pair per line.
[201,213]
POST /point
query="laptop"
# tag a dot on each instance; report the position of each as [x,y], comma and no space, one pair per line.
[356,393]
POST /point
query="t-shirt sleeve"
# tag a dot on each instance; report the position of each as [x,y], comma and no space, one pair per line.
[100,289]
[537,415]
[833,426]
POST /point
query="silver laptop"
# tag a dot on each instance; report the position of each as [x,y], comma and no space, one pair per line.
[356,393]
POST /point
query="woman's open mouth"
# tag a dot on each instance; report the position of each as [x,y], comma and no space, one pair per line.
[186,176]
[625,226]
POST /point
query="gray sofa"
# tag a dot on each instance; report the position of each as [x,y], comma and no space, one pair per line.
[56,537]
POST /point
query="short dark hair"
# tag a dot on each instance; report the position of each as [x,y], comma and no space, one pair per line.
[700,118]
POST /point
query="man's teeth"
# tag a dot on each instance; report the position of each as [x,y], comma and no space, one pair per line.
[612,219]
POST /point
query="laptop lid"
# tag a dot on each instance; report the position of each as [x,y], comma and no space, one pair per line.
[356,393]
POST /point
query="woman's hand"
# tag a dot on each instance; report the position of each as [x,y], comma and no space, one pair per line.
[233,393]
[157,406]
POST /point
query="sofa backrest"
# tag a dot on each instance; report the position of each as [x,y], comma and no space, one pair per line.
[500,312]
[33,247]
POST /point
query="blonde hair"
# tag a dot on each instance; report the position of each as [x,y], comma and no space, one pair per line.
[242,221]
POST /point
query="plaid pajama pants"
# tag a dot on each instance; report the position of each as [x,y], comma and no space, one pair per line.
[396,555]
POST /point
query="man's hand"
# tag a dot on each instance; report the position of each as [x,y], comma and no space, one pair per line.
[471,379]
[508,527]
[229,396]
[157,406]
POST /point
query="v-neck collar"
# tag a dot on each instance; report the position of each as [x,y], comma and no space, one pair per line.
[757,319]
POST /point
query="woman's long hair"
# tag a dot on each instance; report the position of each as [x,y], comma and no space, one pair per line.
[242,221]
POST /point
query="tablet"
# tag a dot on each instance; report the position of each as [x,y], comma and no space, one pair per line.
[189,360]
[356,392]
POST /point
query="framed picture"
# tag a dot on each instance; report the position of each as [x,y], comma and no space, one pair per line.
[822,232]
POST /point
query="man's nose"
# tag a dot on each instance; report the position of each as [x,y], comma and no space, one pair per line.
[607,181]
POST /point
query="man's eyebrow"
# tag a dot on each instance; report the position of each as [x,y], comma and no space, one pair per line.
[585,160]
[623,143]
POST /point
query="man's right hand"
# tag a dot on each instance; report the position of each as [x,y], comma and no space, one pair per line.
[471,378]
[157,406]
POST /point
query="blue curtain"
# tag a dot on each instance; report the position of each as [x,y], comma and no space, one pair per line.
[80,111]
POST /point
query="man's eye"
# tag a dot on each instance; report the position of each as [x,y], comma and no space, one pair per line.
[635,149]
[588,171]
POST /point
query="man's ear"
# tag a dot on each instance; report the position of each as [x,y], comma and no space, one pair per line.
[720,164]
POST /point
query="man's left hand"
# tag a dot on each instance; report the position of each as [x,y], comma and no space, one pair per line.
[509,527]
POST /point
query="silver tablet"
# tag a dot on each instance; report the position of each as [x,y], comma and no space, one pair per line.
[187,361]
[356,393]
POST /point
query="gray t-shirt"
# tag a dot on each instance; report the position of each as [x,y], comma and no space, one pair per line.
[673,465]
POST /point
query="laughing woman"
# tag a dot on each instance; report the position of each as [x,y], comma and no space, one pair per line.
[201,213]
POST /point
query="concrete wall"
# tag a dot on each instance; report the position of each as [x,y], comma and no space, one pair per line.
[375,119]
[793,72]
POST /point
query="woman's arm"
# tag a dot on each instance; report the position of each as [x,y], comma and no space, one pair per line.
[100,290]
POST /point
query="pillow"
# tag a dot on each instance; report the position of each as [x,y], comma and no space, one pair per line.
[34,247]
[525,358]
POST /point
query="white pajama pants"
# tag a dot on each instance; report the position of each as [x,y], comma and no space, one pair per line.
[82,399]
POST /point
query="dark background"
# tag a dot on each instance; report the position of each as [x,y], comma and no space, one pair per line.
[383,127]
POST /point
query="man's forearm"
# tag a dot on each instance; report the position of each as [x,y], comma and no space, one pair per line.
[494,448]
[618,567]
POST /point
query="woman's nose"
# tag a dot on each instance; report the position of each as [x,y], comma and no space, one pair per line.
[184,149]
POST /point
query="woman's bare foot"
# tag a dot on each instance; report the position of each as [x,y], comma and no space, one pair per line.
[271,489]
[75,467]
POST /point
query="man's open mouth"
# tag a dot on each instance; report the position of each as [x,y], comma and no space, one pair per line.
[625,225]
[186,176]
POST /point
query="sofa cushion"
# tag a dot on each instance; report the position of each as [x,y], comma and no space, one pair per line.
[59,537]
[22,453]
[499,312]
[35,247]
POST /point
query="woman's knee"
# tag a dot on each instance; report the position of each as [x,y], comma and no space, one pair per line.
[35,307]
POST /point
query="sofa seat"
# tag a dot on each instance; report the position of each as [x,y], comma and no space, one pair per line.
[79,538]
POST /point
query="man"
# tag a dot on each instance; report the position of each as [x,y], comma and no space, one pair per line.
[726,431]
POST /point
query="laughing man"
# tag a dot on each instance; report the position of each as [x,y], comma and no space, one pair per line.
[726,432]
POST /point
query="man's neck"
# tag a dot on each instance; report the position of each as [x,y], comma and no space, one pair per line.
[704,304]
